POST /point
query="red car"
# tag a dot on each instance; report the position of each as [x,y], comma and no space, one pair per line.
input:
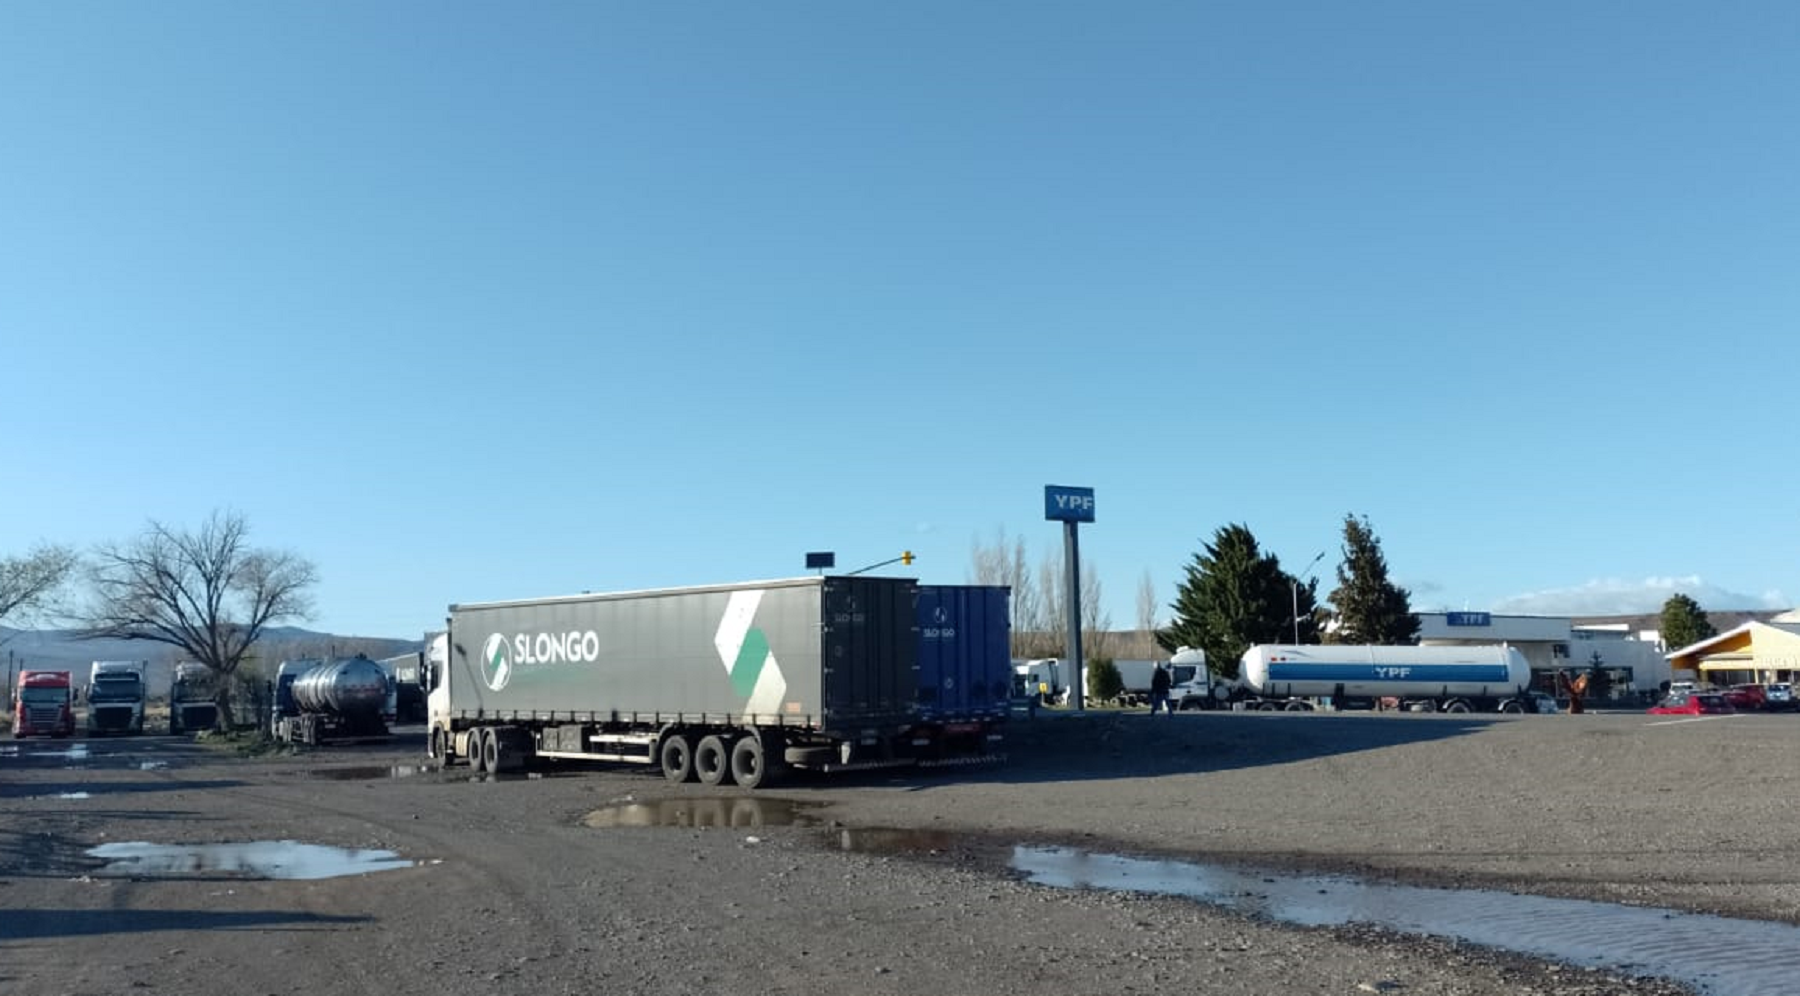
[1747,698]
[1693,704]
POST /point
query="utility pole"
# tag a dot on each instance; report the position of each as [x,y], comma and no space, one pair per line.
[1296,586]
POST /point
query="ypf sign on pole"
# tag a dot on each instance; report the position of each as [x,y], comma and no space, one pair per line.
[1072,506]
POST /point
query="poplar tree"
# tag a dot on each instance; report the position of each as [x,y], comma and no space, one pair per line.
[1370,609]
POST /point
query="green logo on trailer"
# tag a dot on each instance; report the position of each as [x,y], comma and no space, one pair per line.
[496,662]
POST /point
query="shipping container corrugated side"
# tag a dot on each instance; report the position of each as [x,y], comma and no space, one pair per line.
[965,656]
[825,653]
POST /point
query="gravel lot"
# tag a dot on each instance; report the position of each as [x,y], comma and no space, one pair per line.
[531,885]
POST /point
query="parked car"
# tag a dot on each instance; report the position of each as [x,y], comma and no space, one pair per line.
[1693,704]
[1746,698]
[1779,697]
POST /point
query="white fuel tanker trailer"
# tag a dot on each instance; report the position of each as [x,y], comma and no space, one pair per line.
[318,701]
[1491,678]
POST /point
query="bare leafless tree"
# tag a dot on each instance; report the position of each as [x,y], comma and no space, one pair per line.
[207,592]
[1096,622]
[1146,604]
[1004,563]
[34,583]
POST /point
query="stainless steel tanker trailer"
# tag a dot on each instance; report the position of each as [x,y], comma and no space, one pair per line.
[723,683]
[1482,678]
[316,701]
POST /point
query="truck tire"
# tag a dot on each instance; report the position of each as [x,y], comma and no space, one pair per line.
[712,760]
[435,750]
[513,749]
[1456,705]
[1512,706]
[477,744]
[750,763]
[677,758]
[1298,706]
[490,750]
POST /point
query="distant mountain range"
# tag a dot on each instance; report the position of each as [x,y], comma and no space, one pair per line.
[64,650]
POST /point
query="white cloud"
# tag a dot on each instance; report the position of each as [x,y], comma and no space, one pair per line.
[1617,597]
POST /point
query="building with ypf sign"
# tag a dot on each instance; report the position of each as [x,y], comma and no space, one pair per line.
[1554,643]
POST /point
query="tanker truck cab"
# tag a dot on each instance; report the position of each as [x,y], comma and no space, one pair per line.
[1194,686]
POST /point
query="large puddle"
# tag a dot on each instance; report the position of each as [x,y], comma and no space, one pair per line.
[742,813]
[1718,955]
[274,859]
[1723,956]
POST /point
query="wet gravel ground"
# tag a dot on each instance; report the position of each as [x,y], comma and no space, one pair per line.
[517,887]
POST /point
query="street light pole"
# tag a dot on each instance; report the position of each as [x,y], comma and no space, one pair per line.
[1296,586]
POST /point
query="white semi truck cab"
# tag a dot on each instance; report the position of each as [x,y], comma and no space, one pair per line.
[115,697]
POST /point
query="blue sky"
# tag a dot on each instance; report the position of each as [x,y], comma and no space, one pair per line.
[479,301]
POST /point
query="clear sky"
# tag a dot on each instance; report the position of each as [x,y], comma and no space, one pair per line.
[469,301]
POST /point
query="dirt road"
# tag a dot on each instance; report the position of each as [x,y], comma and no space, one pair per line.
[610,880]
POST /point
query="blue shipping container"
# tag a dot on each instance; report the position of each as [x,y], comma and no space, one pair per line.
[965,652]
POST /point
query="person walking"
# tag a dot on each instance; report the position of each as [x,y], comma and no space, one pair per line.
[1159,690]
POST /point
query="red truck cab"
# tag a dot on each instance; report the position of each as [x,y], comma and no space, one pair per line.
[44,704]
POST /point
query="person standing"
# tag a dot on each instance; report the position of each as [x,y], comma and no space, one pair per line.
[1159,690]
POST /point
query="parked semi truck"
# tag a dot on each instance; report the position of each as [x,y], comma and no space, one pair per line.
[193,698]
[724,683]
[409,695]
[321,700]
[1042,678]
[43,704]
[115,697]
[1490,678]
[964,668]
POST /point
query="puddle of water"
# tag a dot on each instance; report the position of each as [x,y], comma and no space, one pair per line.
[1723,956]
[890,842]
[276,859]
[745,812]
[73,795]
[372,772]
[151,765]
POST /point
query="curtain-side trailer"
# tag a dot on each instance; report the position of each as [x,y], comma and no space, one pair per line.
[724,683]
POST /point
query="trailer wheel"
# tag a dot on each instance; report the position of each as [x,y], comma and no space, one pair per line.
[1297,706]
[1512,705]
[677,758]
[1456,705]
[712,760]
[1266,707]
[478,750]
[749,763]
[490,750]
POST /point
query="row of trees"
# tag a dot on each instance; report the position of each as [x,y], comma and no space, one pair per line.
[1235,595]
[207,593]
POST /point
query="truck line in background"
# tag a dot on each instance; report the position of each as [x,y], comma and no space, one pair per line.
[725,683]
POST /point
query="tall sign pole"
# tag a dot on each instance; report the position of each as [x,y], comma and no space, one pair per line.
[1072,506]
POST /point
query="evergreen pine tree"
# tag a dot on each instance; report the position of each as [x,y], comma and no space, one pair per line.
[1233,596]
[1370,609]
[1684,622]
